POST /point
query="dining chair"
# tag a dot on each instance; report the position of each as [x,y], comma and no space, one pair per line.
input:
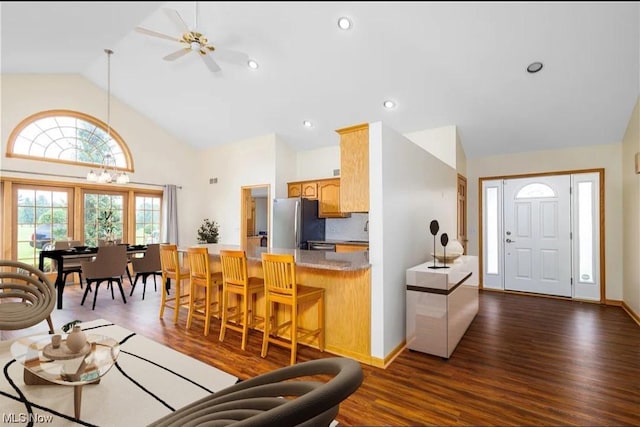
[172,269]
[205,288]
[236,281]
[281,287]
[148,265]
[108,265]
[69,267]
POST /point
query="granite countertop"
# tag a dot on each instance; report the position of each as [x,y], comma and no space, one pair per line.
[324,260]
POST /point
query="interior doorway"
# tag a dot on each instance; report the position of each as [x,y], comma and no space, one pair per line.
[543,234]
[255,216]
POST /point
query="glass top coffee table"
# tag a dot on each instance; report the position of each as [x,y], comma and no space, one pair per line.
[72,369]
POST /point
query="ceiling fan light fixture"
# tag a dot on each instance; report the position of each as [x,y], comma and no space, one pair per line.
[534,67]
[344,23]
[252,64]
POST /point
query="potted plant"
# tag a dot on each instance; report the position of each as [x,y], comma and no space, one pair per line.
[107,225]
[208,232]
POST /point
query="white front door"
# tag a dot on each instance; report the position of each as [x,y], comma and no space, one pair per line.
[537,235]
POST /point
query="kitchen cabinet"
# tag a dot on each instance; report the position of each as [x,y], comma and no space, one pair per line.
[329,199]
[354,168]
[326,191]
[351,248]
[306,189]
[294,189]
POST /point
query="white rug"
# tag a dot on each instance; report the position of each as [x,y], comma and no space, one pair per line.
[149,380]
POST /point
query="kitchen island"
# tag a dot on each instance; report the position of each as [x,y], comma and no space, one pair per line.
[346,279]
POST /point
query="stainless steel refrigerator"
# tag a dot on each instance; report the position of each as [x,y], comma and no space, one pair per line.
[295,221]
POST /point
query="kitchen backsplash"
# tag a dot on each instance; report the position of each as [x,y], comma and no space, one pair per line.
[352,228]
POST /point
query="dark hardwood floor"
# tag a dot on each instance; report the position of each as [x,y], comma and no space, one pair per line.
[523,361]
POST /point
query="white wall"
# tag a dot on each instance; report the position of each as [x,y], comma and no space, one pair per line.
[631,213]
[285,168]
[241,163]
[319,163]
[159,158]
[409,187]
[440,142]
[607,156]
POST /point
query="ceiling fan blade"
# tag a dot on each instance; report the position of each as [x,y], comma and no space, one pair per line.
[177,54]
[156,34]
[231,56]
[210,63]
[177,20]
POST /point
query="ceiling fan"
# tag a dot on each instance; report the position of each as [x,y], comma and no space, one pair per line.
[194,41]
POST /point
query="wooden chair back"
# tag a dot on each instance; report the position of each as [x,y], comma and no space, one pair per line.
[200,271]
[279,274]
[169,260]
[234,267]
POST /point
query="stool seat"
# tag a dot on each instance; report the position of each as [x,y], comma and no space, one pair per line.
[236,282]
[282,288]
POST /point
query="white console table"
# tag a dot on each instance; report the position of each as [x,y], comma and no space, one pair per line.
[441,304]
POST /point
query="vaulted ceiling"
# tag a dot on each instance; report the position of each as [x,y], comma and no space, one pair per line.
[443,63]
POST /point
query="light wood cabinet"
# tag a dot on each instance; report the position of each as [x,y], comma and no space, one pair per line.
[310,190]
[294,189]
[351,248]
[329,199]
[354,168]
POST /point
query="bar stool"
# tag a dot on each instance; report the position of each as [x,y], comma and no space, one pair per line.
[172,270]
[202,279]
[281,288]
[236,281]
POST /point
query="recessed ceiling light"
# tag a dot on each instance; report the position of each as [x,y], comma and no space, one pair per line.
[388,104]
[252,64]
[344,23]
[534,67]
[307,124]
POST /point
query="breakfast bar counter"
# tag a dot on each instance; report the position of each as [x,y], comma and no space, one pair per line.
[346,280]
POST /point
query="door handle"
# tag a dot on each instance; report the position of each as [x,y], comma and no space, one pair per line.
[510,241]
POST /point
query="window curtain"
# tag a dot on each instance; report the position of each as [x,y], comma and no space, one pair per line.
[170,214]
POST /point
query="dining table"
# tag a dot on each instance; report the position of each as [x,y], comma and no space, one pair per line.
[62,255]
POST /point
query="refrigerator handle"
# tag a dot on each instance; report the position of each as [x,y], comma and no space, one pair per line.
[296,226]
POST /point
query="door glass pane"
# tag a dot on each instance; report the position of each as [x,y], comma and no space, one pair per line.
[42,218]
[534,191]
[492,230]
[585,232]
[147,220]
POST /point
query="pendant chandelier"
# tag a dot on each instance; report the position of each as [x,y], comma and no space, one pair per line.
[109,172]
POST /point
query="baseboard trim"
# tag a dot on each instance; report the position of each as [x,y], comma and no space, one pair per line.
[383,363]
[635,316]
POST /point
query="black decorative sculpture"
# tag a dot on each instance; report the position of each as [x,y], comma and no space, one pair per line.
[434,227]
[444,240]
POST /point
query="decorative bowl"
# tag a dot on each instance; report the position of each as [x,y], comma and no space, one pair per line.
[448,258]
[81,248]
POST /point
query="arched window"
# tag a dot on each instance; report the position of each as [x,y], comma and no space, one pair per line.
[69,137]
[535,190]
